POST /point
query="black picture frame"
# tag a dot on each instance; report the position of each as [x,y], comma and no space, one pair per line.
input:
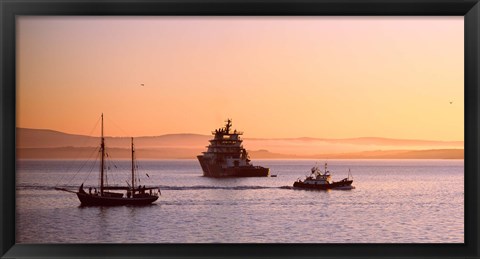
[470,9]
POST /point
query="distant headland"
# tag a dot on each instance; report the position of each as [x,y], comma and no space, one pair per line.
[50,144]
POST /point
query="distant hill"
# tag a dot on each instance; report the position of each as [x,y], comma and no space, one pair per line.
[50,138]
[41,143]
[185,153]
[40,138]
[375,141]
[113,153]
[379,154]
[398,154]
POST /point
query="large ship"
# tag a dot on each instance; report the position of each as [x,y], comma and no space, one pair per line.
[226,157]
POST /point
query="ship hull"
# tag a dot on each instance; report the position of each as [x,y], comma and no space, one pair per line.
[211,169]
[335,185]
[94,200]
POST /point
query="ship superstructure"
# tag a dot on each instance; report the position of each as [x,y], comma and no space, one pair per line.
[226,157]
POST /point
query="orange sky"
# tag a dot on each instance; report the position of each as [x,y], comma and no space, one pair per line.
[326,77]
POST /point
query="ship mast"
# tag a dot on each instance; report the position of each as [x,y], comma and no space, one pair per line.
[133,170]
[102,147]
[228,125]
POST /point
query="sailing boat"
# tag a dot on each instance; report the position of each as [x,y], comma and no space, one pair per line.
[134,196]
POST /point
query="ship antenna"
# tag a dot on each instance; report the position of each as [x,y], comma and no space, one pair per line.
[228,125]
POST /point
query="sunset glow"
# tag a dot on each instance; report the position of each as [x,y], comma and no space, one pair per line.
[276,77]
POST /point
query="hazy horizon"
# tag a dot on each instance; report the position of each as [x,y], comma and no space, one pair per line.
[243,137]
[32,143]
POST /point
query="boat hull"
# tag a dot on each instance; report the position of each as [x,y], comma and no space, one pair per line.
[94,200]
[335,185]
[211,169]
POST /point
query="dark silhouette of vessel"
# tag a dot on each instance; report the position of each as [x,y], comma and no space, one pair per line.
[226,157]
[319,180]
[105,196]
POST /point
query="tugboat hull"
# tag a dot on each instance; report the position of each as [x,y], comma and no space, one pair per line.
[211,169]
[335,185]
[94,200]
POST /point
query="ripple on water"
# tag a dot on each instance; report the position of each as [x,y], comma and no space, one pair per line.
[394,202]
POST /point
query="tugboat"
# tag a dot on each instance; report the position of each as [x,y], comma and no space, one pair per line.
[134,196]
[319,180]
[226,157]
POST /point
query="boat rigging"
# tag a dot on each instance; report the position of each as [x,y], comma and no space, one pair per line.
[106,197]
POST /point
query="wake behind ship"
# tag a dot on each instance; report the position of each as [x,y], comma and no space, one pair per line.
[226,157]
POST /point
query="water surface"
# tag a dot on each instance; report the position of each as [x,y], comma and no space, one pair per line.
[395,201]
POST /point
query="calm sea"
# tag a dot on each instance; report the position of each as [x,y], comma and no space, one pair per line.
[395,201]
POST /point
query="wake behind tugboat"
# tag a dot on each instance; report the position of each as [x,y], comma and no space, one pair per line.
[226,156]
[319,180]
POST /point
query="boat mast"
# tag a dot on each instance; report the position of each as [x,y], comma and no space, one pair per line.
[133,169]
[102,147]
